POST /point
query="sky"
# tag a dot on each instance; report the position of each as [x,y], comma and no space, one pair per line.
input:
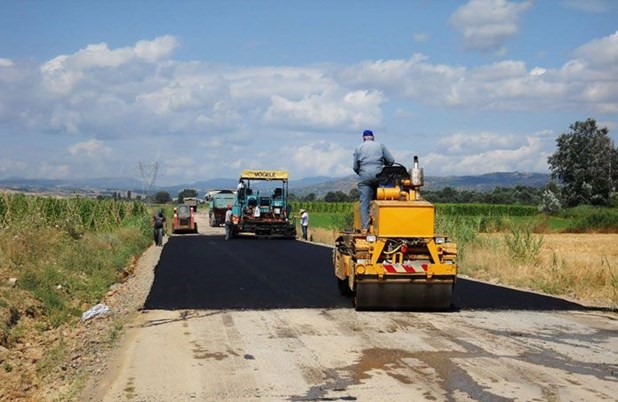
[205,89]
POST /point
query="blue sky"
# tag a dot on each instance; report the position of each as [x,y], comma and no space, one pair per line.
[209,88]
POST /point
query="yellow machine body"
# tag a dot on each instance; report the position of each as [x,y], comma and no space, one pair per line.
[399,263]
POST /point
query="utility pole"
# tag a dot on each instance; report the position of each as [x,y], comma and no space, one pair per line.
[148,171]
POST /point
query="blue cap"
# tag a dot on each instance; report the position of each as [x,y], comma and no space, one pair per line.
[367,133]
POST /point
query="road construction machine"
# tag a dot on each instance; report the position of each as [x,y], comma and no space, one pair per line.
[218,201]
[261,206]
[191,201]
[399,263]
[184,219]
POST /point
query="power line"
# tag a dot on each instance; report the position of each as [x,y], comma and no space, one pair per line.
[148,171]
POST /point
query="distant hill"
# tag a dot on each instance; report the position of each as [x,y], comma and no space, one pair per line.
[484,182]
[202,186]
[320,185]
[488,181]
[72,186]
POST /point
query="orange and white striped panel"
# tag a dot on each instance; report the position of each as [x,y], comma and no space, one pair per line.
[410,267]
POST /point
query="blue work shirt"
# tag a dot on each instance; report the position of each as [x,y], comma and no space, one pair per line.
[369,159]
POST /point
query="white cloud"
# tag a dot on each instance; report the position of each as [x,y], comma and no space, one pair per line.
[465,143]
[62,73]
[524,154]
[6,62]
[413,78]
[12,167]
[421,37]
[323,158]
[600,52]
[178,166]
[355,109]
[52,170]
[90,148]
[486,24]
[157,49]
[504,85]
[66,120]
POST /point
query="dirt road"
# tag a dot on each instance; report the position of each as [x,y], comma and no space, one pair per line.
[500,344]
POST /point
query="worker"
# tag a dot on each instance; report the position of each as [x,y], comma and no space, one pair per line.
[228,222]
[158,223]
[369,159]
[240,189]
[304,222]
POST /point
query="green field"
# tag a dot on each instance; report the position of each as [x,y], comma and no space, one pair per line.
[484,217]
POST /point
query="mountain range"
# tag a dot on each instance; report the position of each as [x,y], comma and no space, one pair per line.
[319,185]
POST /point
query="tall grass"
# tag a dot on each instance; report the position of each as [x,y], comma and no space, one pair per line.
[67,252]
[523,246]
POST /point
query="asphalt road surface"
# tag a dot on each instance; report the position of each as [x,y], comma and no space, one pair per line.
[262,319]
[208,272]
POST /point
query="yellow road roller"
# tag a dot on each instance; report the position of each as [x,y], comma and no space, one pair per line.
[399,263]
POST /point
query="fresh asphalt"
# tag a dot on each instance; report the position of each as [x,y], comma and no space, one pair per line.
[253,273]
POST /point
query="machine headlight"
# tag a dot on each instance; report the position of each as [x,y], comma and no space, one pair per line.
[371,238]
[440,240]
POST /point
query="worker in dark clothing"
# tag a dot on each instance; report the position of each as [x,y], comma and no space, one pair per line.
[158,224]
[369,159]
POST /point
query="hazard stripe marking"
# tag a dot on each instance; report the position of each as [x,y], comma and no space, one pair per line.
[405,268]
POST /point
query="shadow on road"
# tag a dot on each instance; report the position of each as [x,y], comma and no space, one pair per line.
[208,272]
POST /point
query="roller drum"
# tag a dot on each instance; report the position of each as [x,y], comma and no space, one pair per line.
[404,295]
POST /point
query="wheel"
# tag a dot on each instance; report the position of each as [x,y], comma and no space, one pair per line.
[211,220]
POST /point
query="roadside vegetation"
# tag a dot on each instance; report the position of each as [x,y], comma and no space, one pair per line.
[58,258]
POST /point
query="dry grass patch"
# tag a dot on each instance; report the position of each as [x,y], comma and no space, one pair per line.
[322,235]
[580,266]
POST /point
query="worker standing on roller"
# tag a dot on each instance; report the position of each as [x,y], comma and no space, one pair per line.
[369,159]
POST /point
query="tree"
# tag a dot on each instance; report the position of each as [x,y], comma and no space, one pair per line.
[162,197]
[586,163]
[354,195]
[335,196]
[309,197]
[187,192]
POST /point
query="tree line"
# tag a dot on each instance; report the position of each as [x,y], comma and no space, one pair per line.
[524,195]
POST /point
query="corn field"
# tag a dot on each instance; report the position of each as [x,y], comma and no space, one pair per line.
[486,209]
[322,206]
[66,252]
[442,209]
[76,215]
